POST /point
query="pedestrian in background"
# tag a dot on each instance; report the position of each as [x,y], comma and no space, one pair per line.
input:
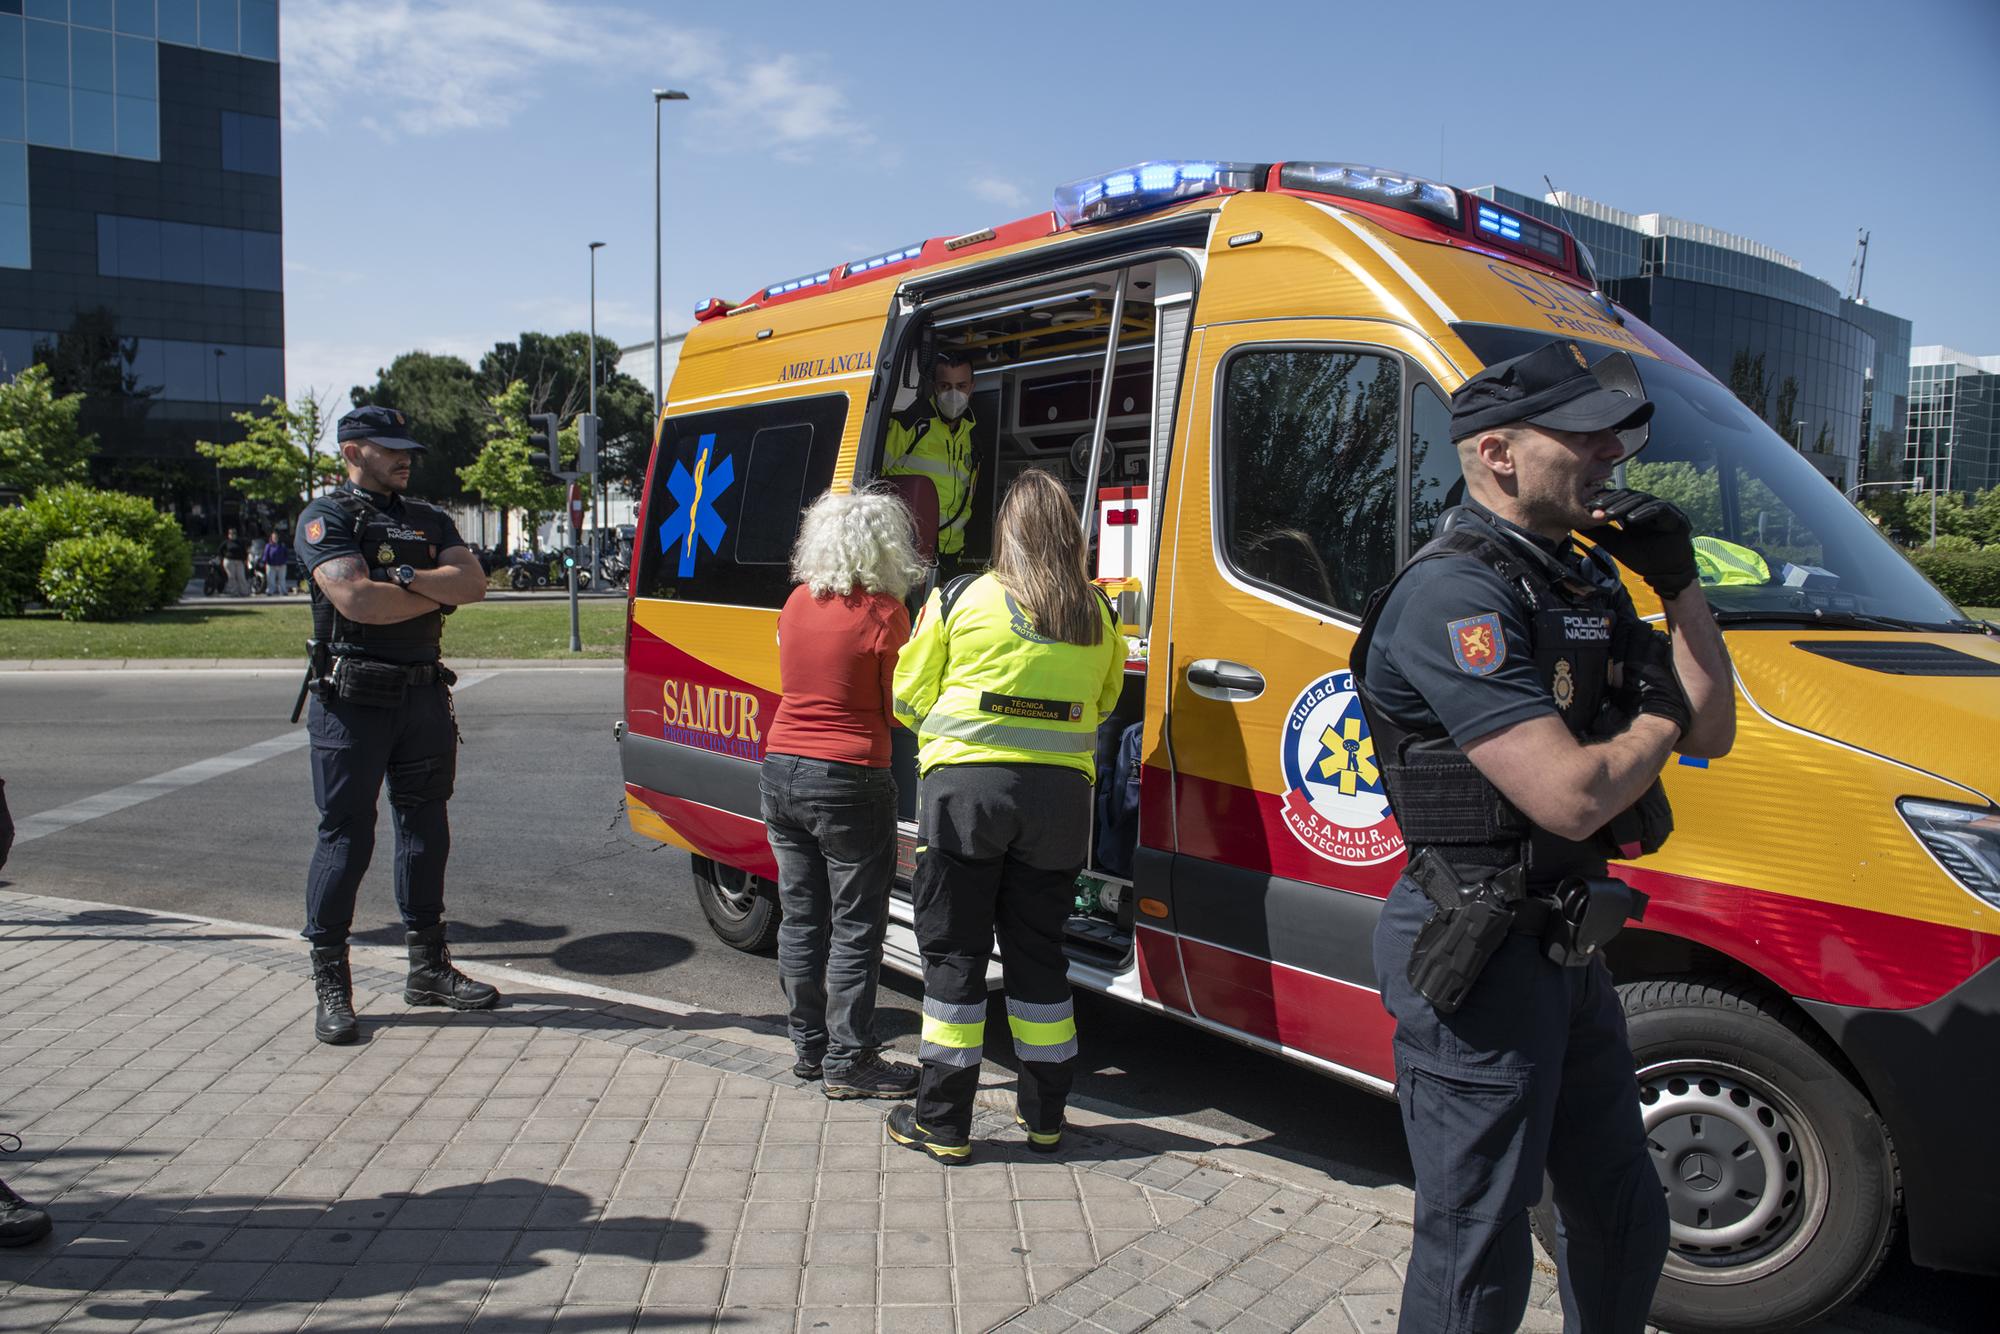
[277,556]
[1004,682]
[828,798]
[235,565]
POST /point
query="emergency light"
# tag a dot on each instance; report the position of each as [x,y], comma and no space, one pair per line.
[794,284]
[887,257]
[1543,242]
[1412,194]
[1149,185]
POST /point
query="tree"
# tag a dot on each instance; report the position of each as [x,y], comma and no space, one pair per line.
[439,394]
[39,441]
[279,455]
[502,475]
[556,370]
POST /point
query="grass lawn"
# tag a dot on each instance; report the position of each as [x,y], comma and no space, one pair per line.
[246,630]
[1983,613]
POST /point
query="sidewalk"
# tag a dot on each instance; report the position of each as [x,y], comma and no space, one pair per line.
[578,1163]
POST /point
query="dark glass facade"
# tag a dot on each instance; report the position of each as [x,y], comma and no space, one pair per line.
[1953,437]
[141,225]
[1830,375]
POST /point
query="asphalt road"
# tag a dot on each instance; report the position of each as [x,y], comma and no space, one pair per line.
[545,876]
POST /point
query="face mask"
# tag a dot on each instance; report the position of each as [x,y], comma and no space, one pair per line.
[953,403]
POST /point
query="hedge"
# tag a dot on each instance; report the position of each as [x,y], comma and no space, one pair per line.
[1969,578]
[104,577]
[58,513]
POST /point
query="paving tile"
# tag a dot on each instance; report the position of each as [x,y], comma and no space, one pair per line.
[762,1287]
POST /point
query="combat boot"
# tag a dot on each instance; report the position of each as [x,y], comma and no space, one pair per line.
[333,1022]
[433,981]
[21,1223]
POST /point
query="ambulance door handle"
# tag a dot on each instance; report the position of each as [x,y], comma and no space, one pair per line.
[1218,678]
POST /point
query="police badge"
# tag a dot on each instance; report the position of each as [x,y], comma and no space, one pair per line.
[385,554]
[1564,686]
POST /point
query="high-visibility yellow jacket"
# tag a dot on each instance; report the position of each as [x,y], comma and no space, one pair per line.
[979,686]
[923,444]
[1721,563]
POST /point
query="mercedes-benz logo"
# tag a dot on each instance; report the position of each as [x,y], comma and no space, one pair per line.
[1701,1172]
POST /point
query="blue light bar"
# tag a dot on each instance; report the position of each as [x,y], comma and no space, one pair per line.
[809,280]
[1412,194]
[1543,242]
[885,259]
[1148,185]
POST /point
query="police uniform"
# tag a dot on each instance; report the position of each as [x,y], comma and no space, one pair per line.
[1006,722]
[399,726]
[923,444]
[1526,1067]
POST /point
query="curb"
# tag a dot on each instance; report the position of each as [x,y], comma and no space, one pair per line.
[285,664]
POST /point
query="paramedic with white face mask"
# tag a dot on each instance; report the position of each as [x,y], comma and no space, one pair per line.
[934,439]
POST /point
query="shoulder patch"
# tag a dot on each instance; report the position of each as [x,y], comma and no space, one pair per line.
[315,529]
[1477,644]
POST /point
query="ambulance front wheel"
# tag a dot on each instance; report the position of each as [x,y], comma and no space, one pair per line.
[742,909]
[1781,1180]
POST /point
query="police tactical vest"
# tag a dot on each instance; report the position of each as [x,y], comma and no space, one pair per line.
[1439,797]
[1011,695]
[930,447]
[386,540]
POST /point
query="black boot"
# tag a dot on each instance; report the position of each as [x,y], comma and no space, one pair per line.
[334,1021]
[21,1223]
[433,981]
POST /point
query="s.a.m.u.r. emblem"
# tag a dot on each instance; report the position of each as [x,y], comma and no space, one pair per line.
[1335,802]
[1477,644]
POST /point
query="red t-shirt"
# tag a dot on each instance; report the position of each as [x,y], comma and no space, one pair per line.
[836,662]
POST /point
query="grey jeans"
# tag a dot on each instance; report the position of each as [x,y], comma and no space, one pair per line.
[832,828]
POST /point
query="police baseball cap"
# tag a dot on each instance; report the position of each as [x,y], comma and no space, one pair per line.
[385,426]
[1552,387]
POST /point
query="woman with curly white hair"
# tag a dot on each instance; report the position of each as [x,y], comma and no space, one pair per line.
[828,798]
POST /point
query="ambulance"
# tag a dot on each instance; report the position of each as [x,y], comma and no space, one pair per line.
[1243,372]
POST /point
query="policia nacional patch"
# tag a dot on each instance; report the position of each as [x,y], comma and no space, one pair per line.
[1021,706]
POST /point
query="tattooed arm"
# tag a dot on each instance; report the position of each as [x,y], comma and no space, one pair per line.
[345,581]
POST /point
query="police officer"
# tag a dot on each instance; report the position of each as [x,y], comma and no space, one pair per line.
[384,571]
[1004,681]
[934,439]
[1523,713]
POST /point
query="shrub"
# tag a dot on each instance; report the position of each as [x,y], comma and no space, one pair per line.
[1952,542]
[1969,578]
[61,512]
[104,577]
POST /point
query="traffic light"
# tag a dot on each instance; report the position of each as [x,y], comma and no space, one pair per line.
[542,438]
[586,444]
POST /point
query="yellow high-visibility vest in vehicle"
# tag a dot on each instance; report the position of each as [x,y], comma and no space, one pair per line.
[978,685]
[923,444]
[1721,563]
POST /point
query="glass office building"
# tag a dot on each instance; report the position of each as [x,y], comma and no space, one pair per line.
[1953,437]
[1829,375]
[140,225]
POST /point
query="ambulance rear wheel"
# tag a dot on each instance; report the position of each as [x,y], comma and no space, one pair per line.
[1781,1181]
[742,909]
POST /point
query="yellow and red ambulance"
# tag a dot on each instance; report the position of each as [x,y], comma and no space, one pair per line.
[1244,371]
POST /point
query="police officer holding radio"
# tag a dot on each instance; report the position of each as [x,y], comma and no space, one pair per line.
[1522,713]
[385,571]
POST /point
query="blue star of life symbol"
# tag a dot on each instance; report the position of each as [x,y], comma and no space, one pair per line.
[696,492]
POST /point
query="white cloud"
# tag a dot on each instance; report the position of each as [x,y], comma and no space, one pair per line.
[330,368]
[778,102]
[1004,193]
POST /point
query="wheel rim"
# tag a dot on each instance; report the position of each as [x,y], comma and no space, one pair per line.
[734,892]
[1744,1175]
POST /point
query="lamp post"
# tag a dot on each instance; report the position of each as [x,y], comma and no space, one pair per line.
[596,521]
[1934,488]
[659,330]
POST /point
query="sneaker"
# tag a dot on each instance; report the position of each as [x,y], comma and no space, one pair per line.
[873,1077]
[1040,1141]
[805,1069]
[903,1128]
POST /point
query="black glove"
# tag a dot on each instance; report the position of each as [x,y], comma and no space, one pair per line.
[1651,538]
[1650,685]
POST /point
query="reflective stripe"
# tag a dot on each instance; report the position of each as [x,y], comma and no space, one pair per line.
[1007,734]
[913,462]
[957,525]
[1040,1014]
[1043,1032]
[943,1055]
[945,1011]
[959,1037]
[903,707]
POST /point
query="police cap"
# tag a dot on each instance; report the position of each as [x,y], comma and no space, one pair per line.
[385,426]
[1551,387]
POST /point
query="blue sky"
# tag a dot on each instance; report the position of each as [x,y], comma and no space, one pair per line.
[446,163]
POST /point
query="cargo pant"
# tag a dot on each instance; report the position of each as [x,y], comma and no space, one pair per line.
[999,847]
[1532,1073]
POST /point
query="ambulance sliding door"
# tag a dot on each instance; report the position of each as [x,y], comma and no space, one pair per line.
[1291,511]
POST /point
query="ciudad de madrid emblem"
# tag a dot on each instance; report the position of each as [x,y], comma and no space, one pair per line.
[1335,802]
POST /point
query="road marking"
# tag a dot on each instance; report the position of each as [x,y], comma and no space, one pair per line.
[44,823]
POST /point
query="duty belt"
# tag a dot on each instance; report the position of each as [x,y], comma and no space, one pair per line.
[1531,911]
[418,673]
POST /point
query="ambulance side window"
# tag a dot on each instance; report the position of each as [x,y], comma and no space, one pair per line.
[1307,460]
[728,487]
[1434,470]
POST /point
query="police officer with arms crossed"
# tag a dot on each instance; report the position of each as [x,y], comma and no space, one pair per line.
[934,440]
[1523,713]
[384,572]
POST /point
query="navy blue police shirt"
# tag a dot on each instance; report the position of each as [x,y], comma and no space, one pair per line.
[384,531]
[1453,649]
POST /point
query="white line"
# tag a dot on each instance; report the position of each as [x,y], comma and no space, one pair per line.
[44,823]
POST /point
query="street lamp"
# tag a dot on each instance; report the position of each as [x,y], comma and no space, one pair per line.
[596,522]
[1934,488]
[659,331]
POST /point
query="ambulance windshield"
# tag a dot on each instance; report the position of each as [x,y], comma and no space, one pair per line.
[1775,541]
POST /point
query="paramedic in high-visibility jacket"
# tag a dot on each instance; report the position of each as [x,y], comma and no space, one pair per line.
[1004,681]
[934,439]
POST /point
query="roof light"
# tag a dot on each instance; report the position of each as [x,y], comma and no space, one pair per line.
[1413,194]
[1537,239]
[795,284]
[885,259]
[1147,185]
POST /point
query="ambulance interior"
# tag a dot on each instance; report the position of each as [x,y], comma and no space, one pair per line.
[1041,356]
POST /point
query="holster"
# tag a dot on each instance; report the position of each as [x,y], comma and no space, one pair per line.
[379,685]
[318,662]
[1468,922]
[1590,910]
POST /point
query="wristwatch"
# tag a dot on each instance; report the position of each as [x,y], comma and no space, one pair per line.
[402,575]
